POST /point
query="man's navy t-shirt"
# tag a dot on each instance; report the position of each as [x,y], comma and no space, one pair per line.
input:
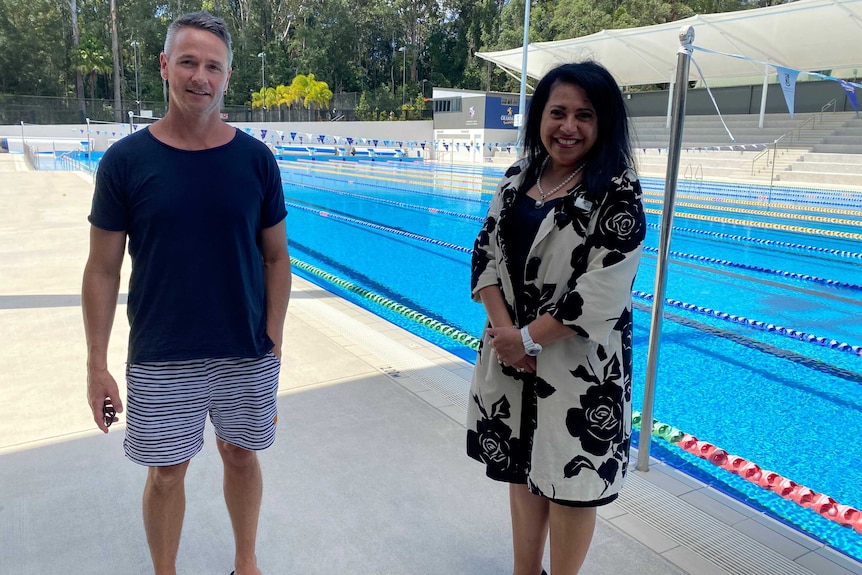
[193,219]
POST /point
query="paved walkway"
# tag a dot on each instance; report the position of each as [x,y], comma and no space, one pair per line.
[367,475]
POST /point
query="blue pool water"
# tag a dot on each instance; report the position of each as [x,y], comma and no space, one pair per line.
[779,259]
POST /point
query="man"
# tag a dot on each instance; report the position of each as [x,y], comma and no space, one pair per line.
[202,206]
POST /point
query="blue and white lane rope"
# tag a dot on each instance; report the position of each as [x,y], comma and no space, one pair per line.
[736,319]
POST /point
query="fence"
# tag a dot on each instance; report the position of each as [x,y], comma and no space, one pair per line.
[47,110]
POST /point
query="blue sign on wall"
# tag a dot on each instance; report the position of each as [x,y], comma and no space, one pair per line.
[499,116]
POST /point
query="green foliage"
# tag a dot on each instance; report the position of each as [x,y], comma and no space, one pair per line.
[315,49]
[363,110]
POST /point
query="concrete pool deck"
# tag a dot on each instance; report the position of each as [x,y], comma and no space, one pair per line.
[367,476]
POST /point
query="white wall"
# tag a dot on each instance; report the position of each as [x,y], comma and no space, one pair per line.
[70,136]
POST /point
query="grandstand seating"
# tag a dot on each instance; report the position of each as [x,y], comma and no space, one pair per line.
[823,148]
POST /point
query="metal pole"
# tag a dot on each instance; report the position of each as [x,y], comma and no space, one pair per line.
[89,146]
[137,87]
[686,38]
[522,99]
[760,120]
[262,57]
[23,151]
[404,78]
[670,93]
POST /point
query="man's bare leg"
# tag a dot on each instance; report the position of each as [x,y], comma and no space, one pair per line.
[164,506]
[243,491]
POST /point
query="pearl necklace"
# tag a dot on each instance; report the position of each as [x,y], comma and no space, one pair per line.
[541,201]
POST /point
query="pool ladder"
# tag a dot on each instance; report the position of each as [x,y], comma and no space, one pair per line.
[693,173]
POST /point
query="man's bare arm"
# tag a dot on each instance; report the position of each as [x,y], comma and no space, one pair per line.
[99,292]
[277,278]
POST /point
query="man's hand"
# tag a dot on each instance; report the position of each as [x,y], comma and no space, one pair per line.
[101,386]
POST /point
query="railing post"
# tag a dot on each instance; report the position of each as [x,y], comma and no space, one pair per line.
[772,175]
[686,38]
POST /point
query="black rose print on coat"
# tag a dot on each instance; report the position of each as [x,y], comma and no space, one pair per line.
[622,225]
[598,423]
[492,440]
[480,251]
[624,326]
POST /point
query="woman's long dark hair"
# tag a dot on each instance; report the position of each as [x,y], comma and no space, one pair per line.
[612,151]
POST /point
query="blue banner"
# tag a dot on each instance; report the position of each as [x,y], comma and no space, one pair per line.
[499,116]
[851,93]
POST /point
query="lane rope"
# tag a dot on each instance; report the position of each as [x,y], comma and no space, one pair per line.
[822,504]
[755,324]
[453,333]
[736,319]
[749,267]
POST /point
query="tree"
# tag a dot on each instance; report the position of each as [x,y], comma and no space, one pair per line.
[363,110]
[76,40]
[283,97]
[68,48]
[115,61]
[91,58]
[318,94]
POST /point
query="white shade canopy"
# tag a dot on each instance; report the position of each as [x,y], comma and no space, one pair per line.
[808,35]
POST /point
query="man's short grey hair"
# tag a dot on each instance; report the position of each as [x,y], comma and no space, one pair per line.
[201,21]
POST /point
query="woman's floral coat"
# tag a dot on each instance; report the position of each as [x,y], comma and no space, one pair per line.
[565,430]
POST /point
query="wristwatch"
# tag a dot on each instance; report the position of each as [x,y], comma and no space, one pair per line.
[531,347]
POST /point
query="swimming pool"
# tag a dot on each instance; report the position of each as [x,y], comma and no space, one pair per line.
[760,343]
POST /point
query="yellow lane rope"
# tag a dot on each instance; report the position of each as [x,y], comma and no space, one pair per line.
[413,180]
[777,205]
[786,216]
[764,225]
[369,172]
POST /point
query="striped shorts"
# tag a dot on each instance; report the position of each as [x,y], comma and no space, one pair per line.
[168,402]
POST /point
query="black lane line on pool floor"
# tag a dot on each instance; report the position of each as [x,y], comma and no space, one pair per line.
[808,362]
[762,281]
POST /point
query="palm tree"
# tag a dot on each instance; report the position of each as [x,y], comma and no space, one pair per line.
[257,99]
[91,58]
[318,94]
[270,99]
[300,86]
[283,97]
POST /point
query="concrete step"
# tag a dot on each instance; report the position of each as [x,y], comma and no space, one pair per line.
[819,178]
[831,158]
[827,168]
[799,165]
[837,149]
[806,131]
[852,140]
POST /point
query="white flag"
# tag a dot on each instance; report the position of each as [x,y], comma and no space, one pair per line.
[787,79]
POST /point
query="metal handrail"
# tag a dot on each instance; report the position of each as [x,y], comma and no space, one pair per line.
[774,149]
[757,157]
[809,120]
[833,103]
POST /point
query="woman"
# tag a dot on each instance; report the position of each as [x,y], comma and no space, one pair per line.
[550,409]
